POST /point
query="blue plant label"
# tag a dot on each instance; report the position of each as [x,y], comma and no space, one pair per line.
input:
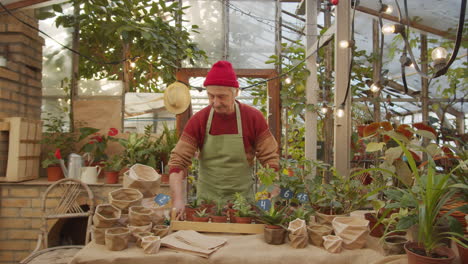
[302,197]
[162,199]
[264,204]
[286,194]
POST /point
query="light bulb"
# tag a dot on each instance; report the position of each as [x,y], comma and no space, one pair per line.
[132,65]
[439,54]
[287,80]
[387,9]
[392,28]
[324,109]
[344,44]
[340,111]
[375,87]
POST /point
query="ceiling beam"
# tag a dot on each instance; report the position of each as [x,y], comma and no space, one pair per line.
[412,24]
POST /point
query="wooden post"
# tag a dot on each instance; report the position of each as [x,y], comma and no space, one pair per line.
[182,119]
[424,81]
[125,81]
[312,86]
[328,121]
[376,66]
[274,107]
[342,132]
[75,76]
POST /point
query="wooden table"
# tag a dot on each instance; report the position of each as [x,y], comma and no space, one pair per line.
[239,249]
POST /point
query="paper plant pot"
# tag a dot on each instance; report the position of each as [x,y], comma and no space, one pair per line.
[394,245]
[140,235]
[274,236]
[106,215]
[161,230]
[298,241]
[316,233]
[117,238]
[138,229]
[143,178]
[157,211]
[298,227]
[151,244]
[332,243]
[325,219]
[99,235]
[352,230]
[139,215]
[123,198]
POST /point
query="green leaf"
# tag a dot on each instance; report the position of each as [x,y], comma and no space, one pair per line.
[407,222]
[392,154]
[425,134]
[57,8]
[44,15]
[374,146]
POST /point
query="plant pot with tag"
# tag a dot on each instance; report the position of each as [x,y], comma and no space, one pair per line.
[54,173]
[274,235]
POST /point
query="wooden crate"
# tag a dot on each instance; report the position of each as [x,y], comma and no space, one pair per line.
[216,227]
[24,148]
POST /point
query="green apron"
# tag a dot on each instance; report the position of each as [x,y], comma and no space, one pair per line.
[224,169]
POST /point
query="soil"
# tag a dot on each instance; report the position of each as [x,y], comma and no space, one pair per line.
[422,252]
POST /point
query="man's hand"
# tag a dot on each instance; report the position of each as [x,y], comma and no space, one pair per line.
[179,205]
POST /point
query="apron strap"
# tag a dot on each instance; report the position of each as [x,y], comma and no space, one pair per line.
[238,119]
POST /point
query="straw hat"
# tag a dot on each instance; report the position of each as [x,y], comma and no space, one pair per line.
[177,98]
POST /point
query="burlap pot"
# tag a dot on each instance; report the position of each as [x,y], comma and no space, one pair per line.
[298,241]
[138,229]
[274,236]
[99,235]
[352,230]
[394,245]
[332,243]
[123,221]
[117,238]
[316,232]
[123,198]
[325,218]
[140,235]
[106,215]
[161,230]
[157,217]
[143,178]
[151,244]
[139,215]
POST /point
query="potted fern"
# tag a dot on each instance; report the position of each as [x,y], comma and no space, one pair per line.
[244,211]
[219,214]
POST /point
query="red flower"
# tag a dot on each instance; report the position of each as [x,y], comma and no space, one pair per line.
[97,138]
[57,154]
[91,142]
[112,132]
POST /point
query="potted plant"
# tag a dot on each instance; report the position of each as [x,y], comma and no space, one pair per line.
[97,145]
[244,210]
[273,219]
[219,214]
[191,207]
[201,216]
[112,169]
[142,149]
[430,190]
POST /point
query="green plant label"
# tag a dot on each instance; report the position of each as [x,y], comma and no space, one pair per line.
[264,204]
[286,194]
[162,199]
[302,197]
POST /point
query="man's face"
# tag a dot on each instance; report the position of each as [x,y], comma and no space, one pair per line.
[222,98]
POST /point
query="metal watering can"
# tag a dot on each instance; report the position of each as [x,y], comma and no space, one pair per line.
[75,163]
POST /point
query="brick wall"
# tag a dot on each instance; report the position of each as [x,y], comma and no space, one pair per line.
[20,216]
[20,80]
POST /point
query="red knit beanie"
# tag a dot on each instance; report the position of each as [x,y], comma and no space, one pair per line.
[221,74]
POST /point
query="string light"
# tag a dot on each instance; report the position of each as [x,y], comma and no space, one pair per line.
[392,29]
[405,61]
[132,64]
[340,111]
[324,108]
[288,80]
[375,87]
[439,56]
[344,44]
[387,9]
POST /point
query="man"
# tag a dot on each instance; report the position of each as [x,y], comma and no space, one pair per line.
[228,135]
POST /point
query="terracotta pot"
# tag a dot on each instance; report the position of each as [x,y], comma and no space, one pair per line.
[54,173]
[231,214]
[165,178]
[112,177]
[189,212]
[274,235]
[463,253]
[219,218]
[242,220]
[375,231]
[208,207]
[201,219]
[414,258]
